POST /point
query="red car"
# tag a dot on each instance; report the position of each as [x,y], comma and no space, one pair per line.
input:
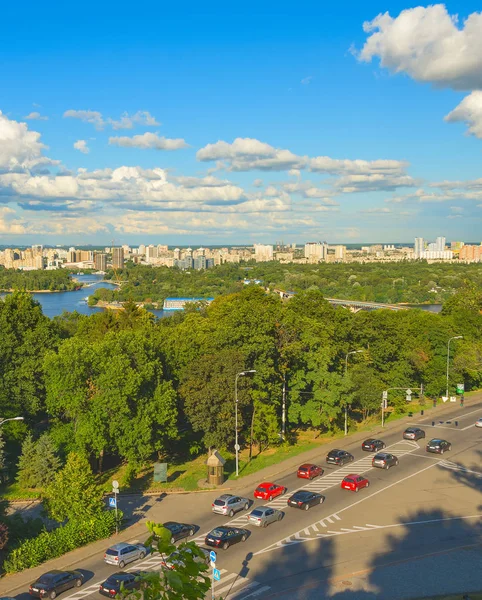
[268,491]
[309,471]
[354,482]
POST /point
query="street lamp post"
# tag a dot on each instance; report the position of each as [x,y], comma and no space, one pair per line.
[236,445]
[346,369]
[456,337]
[11,419]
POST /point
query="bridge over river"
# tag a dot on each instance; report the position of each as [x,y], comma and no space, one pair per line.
[352,305]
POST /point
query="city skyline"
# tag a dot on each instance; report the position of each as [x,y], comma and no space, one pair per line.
[352,128]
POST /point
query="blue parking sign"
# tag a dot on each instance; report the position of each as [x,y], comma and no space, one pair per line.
[112,502]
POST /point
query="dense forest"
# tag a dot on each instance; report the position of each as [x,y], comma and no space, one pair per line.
[129,387]
[414,282]
[57,280]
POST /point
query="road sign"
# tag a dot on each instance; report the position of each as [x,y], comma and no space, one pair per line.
[385,395]
[409,392]
[212,556]
[453,398]
[216,574]
[112,502]
[460,388]
[115,490]
[115,484]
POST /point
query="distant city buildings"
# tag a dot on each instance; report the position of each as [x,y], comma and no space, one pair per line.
[38,257]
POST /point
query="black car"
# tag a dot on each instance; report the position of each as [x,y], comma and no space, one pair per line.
[438,446]
[305,499]
[384,460]
[127,581]
[372,445]
[53,583]
[413,433]
[223,537]
[180,530]
[339,457]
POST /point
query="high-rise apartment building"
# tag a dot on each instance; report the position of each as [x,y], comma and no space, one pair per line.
[419,247]
[118,258]
[340,253]
[263,252]
[440,244]
[100,261]
[316,251]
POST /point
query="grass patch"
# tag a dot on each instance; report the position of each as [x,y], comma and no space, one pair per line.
[12,491]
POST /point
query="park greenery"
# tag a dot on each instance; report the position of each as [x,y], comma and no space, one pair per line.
[58,280]
[124,388]
[411,282]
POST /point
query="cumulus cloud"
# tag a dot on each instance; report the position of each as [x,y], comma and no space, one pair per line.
[141,117]
[148,141]
[246,154]
[87,116]
[333,166]
[35,116]
[20,148]
[81,146]
[9,224]
[428,44]
[469,111]
[374,182]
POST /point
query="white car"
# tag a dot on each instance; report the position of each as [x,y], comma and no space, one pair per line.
[478,423]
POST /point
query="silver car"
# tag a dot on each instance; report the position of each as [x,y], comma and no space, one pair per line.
[123,553]
[174,560]
[478,423]
[228,505]
[262,516]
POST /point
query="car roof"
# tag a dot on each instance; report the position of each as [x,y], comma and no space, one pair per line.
[303,493]
[52,573]
[353,475]
[262,508]
[370,440]
[266,484]
[382,454]
[224,497]
[120,575]
[120,546]
[335,451]
[435,440]
[307,465]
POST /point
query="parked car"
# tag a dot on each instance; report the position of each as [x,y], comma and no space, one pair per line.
[268,491]
[180,531]
[354,482]
[223,537]
[117,582]
[229,505]
[122,554]
[339,457]
[372,445]
[305,499]
[384,460]
[55,582]
[309,471]
[264,515]
[438,446]
[175,561]
[413,433]
[478,423]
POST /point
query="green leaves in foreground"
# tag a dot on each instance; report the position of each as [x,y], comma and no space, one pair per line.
[187,580]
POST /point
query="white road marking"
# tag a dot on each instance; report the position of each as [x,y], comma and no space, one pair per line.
[259,591]
[446,464]
[288,538]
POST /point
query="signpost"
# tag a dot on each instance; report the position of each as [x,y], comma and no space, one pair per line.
[216,573]
[460,389]
[113,502]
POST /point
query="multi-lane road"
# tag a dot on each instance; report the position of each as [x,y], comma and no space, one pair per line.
[426,505]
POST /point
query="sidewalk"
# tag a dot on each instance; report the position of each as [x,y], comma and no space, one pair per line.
[18,582]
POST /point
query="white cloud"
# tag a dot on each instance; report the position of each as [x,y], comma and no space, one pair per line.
[148,141]
[81,145]
[307,80]
[20,149]
[35,116]
[246,154]
[429,45]
[376,211]
[9,225]
[258,183]
[469,111]
[333,166]
[374,182]
[87,116]
[141,117]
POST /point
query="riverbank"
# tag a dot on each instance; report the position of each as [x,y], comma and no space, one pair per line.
[75,289]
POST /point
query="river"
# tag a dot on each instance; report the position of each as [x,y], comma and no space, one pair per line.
[56,303]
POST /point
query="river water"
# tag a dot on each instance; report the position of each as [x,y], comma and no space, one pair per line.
[56,303]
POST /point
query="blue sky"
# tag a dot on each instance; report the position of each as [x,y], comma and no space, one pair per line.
[170,124]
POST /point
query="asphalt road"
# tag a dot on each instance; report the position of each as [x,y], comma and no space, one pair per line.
[345,547]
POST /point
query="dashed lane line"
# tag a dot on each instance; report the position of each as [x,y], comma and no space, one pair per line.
[291,539]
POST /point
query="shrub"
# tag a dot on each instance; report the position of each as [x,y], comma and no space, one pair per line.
[51,544]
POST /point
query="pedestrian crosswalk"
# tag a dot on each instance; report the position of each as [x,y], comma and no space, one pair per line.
[231,586]
[447,464]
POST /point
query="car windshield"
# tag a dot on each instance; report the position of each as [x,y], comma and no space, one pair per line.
[301,495]
[380,456]
[436,442]
[260,489]
[410,430]
[257,513]
[220,502]
[348,479]
[45,579]
[111,552]
[217,533]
